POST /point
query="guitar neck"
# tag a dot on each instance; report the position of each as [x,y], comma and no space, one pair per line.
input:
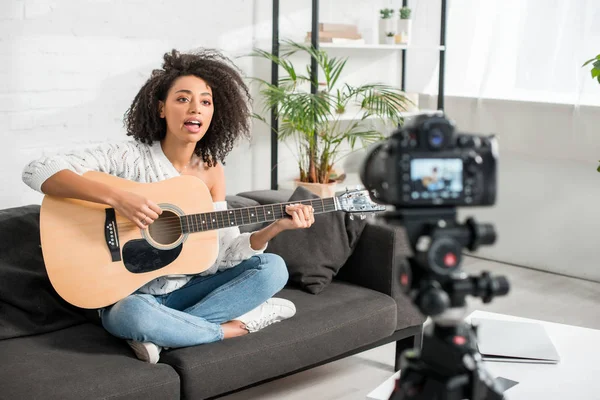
[249,215]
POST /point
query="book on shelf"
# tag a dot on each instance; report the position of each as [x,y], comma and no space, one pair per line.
[337,33]
[334,27]
[336,40]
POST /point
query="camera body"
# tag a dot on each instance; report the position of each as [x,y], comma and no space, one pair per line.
[428,164]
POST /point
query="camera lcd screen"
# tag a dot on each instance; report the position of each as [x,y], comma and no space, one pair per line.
[436,178]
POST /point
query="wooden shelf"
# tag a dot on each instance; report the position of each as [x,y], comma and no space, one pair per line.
[378,46]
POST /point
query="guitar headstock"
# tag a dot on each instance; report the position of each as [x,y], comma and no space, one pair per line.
[358,201]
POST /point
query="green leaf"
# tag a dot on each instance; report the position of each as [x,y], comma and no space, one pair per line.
[588,61]
[258,117]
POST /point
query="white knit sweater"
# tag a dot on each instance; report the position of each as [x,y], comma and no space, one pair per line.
[141,163]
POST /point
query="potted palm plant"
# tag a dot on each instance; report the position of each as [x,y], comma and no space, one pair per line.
[319,122]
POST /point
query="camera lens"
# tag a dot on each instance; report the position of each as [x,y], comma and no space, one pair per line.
[436,138]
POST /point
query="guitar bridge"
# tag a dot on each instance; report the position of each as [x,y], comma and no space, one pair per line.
[111,234]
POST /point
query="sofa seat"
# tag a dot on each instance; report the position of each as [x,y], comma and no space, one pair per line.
[80,362]
[342,318]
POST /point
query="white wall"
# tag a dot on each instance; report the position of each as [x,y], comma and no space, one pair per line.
[546,214]
[70,69]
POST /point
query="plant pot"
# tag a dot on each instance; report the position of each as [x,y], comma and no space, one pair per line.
[320,189]
[390,40]
[403,29]
[385,26]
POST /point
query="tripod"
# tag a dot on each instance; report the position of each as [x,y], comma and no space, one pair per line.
[449,366]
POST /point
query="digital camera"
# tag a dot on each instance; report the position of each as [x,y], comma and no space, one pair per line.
[428,164]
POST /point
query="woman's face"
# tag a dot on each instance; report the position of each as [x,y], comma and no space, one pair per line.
[188,109]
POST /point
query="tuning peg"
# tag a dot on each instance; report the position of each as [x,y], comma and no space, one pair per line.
[351,217]
[362,216]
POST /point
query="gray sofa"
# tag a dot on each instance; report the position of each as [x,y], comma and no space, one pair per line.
[52,350]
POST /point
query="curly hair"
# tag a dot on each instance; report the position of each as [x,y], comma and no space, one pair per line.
[231,99]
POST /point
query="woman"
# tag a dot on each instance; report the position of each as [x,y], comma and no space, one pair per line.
[184,121]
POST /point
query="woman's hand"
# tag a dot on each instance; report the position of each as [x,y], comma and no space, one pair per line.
[136,208]
[302,217]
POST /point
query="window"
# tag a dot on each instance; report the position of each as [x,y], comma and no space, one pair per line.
[528,50]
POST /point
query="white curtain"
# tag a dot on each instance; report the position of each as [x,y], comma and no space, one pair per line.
[530,50]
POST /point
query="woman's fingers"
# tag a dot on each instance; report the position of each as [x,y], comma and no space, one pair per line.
[302,215]
[155,208]
[148,212]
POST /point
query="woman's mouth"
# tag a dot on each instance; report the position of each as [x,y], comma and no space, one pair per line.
[193,126]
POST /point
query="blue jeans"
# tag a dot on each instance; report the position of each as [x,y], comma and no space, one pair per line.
[194,313]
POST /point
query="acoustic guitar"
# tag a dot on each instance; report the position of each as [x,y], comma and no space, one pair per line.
[95,257]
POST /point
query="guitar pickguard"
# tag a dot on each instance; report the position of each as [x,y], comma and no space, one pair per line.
[139,256]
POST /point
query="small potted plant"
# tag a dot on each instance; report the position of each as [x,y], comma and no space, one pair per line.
[386,24]
[404,25]
[389,38]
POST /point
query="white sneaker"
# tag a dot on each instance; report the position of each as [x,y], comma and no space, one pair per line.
[271,311]
[145,351]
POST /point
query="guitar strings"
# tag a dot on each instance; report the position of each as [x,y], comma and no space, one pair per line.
[235,214]
[255,210]
[177,226]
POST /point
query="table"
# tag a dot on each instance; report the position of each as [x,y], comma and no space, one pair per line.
[576,376]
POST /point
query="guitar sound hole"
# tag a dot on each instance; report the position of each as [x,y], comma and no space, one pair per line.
[166,229]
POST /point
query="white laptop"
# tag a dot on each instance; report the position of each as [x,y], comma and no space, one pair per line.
[514,341]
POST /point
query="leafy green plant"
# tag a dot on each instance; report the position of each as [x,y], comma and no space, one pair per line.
[595,67]
[405,13]
[595,75]
[390,34]
[386,13]
[315,121]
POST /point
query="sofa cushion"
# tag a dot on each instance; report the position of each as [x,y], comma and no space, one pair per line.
[80,362]
[341,319]
[268,196]
[315,255]
[240,202]
[28,303]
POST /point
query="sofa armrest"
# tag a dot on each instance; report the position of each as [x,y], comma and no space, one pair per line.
[375,264]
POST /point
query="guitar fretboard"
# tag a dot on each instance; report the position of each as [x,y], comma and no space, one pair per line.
[249,215]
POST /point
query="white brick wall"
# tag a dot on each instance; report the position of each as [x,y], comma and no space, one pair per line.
[70,69]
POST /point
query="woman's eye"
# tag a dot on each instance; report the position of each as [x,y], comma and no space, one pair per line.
[182,99]
[206,102]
